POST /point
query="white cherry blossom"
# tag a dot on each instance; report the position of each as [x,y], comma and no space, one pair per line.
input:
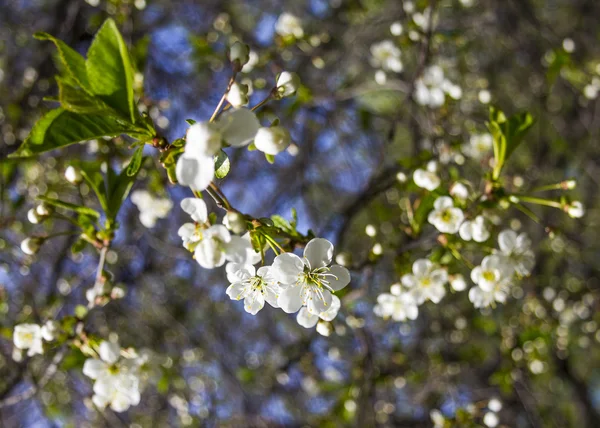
[28,337]
[255,287]
[151,208]
[475,230]
[289,25]
[459,191]
[480,145]
[308,320]
[117,382]
[426,179]
[238,126]
[399,307]
[309,281]
[446,217]
[212,244]
[517,250]
[426,281]
[494,272]
[386,54]
[204,137]
[73,175]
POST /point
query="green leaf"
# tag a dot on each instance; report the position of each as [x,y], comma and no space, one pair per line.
[77,100]
[190,121]
[60,128]
[383,101]
[69,206]
[136,162]
[117,189]
[270,158]
[109,70]
[508,134]
[95,180]
[222,164]
[72,62]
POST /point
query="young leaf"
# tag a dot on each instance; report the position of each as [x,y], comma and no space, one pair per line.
[72,62]
[222,164]
[136,162]
[69,206]
[77,100]
[109,70]
[60,128]
[95,180]
[117,189]
[270,158]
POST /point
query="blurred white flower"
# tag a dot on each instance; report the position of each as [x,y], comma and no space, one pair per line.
[117,380]
[459,191]
[28,337]
[517,251]
[426,179]
[240,53]
[151,208]
[386,55]
[253,59]
[475,230]
[426,281]
[289,25]
[49,330]
[399,307]
[458,283]
[479,146]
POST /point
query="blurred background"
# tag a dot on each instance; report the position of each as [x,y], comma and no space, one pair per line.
[538,355]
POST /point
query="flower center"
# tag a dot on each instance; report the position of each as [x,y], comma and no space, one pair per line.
[425,282]
[447,216]
[315,282]
[489,275]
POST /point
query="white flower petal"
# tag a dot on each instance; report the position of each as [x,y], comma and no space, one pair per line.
[342,277]
[196,208]
[306,319]
[287,267]
[290,299]
[318,252]
[239,127]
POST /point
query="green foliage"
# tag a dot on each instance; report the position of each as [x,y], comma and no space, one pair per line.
[508,134]
[96,97]
[71,207]
[136,162]
[222,164]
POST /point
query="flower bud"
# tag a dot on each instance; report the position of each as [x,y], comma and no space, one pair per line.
[49,330]
[238,95]
[43,210]
[576,209]
[31,245]
[33,216]
[459,191]
[287,84]
[324,328]
[235,222]
[73,175]
[117,292]
[569,184]
[239,54]
[272,140]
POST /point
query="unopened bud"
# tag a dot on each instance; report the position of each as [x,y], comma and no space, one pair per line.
[569,184]
[575,209]
[238,95]
[43,210]
[33,216]
[73,175]
[235,222]
[287,84]
[239,54]
[117,292]
[31,245]
[324,328]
